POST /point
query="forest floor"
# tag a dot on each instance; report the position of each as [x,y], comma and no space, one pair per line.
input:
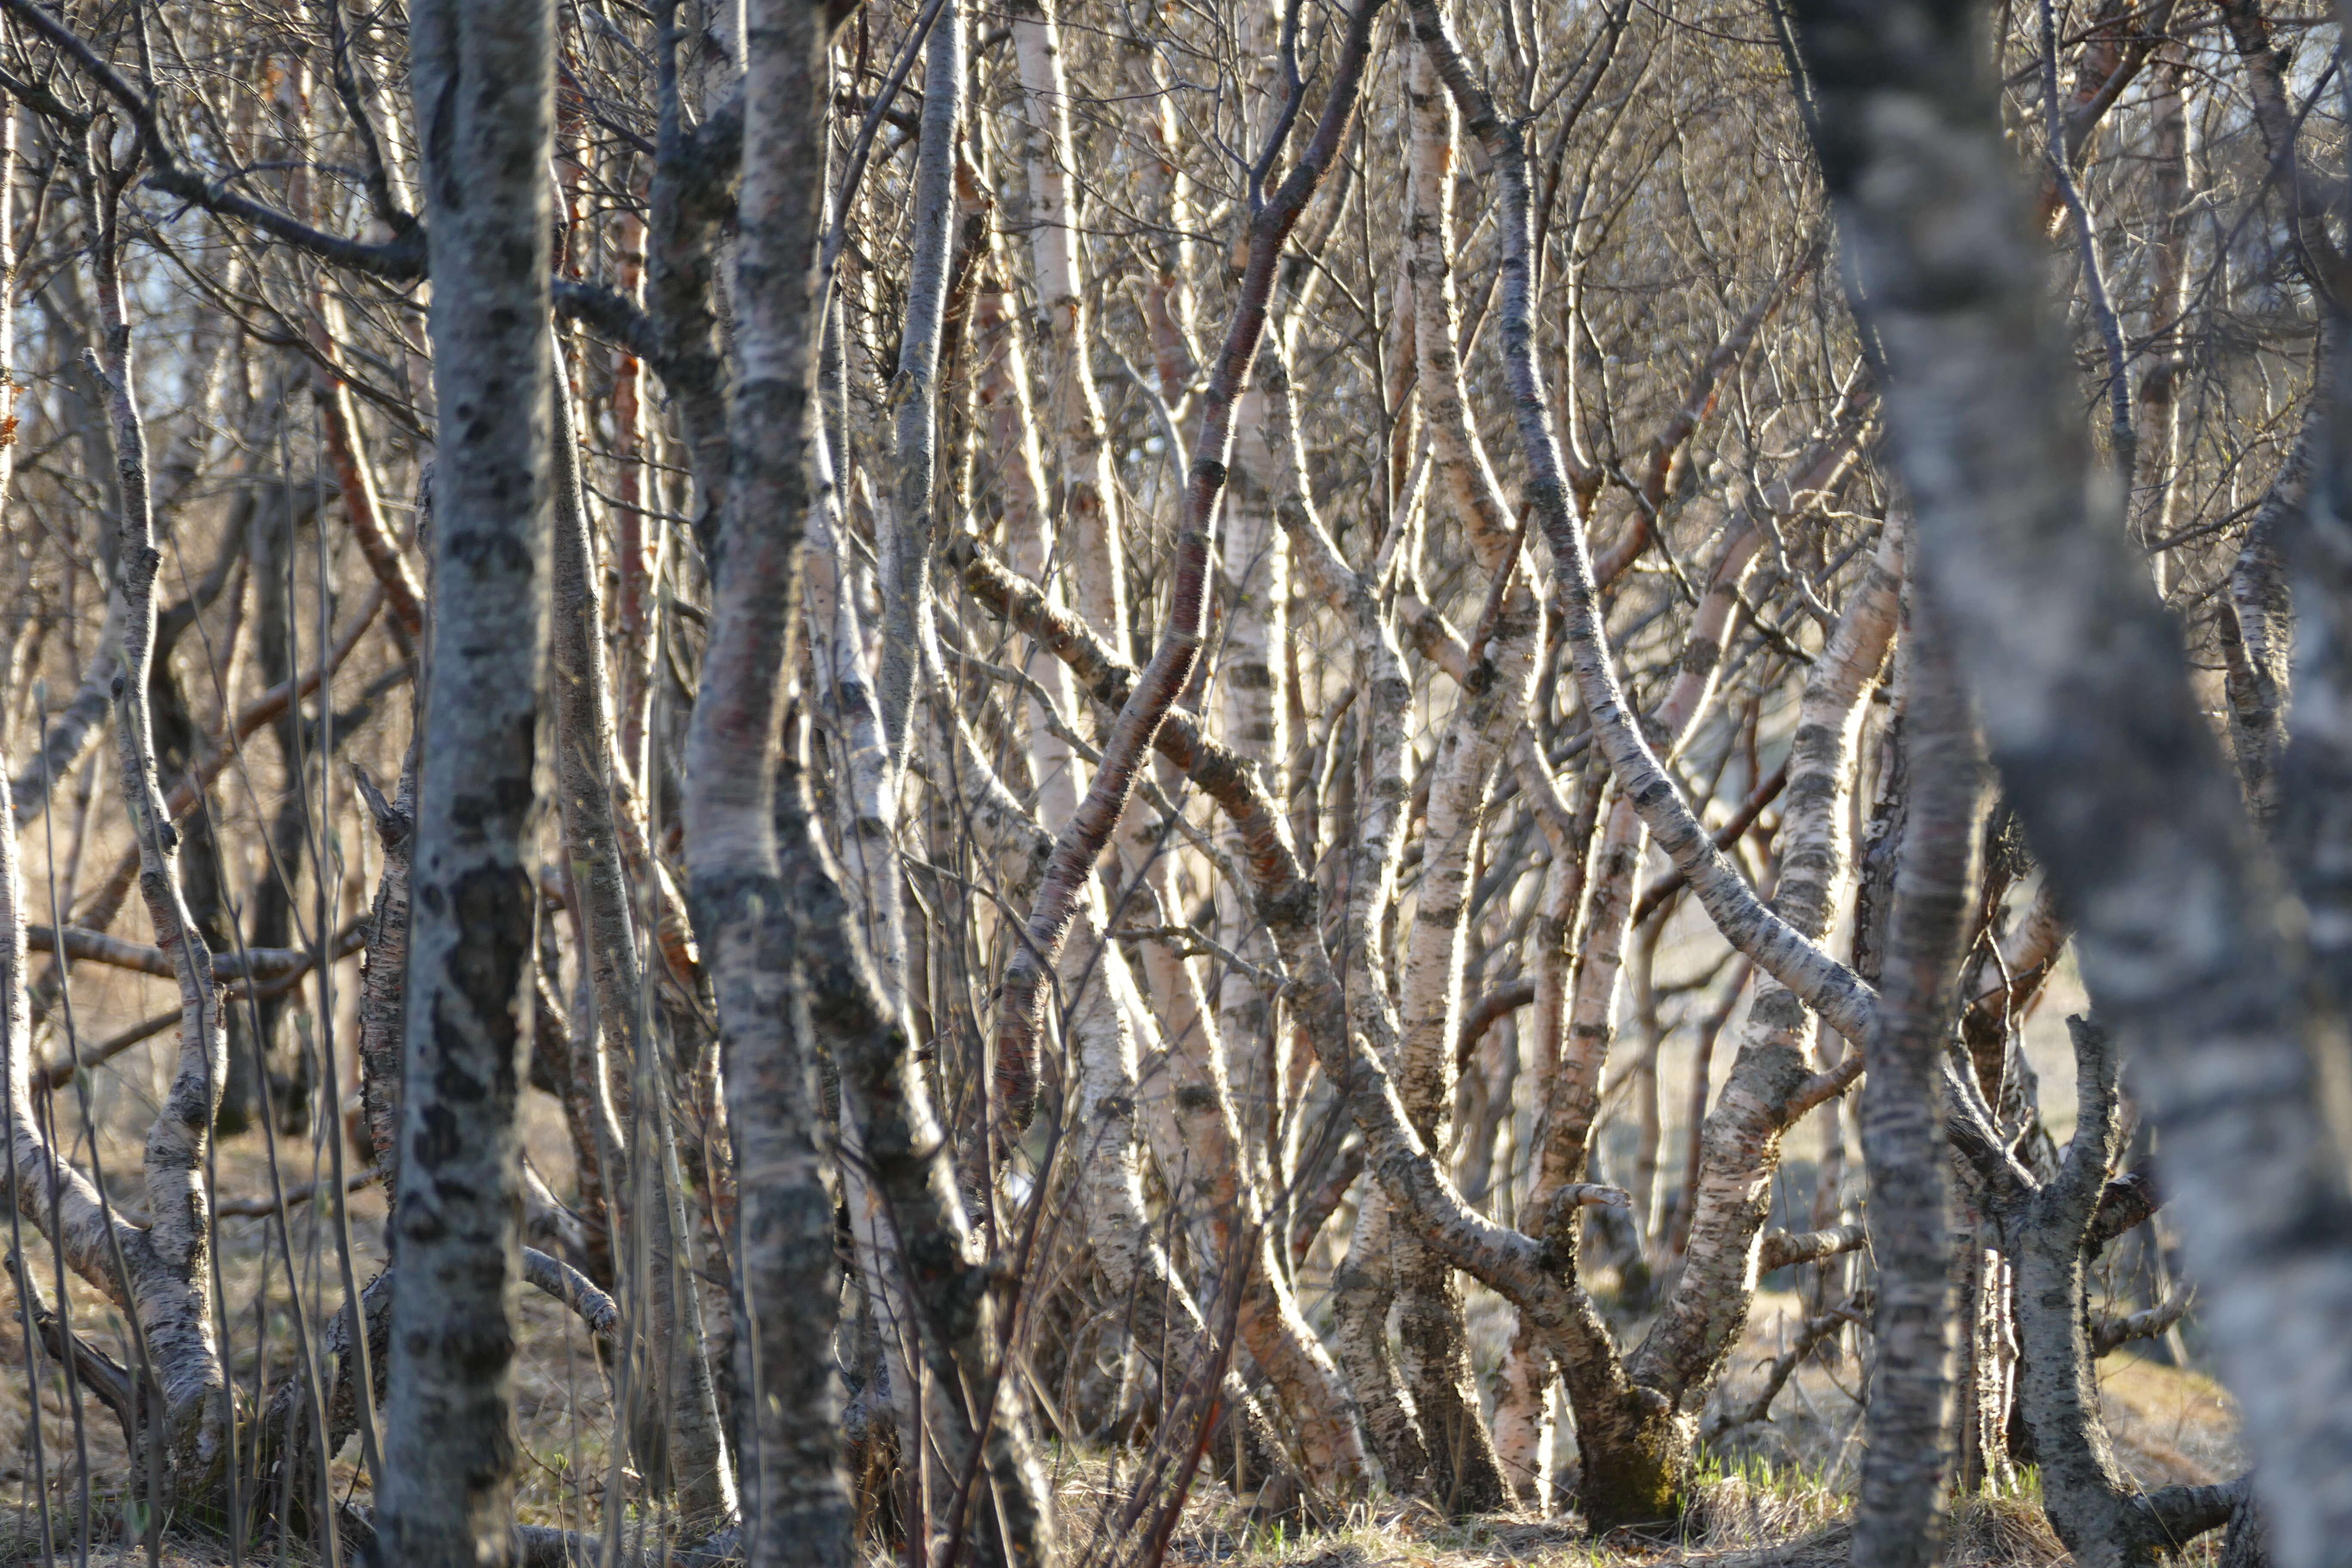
[1773,1494]
[1754,1510]
[1775,1497]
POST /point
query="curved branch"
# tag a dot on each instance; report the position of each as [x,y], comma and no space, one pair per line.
[2112,1334]
[1021,995]
[400,259]
[2126,1201]
[1845,1000]
[1750,812]
[598,1312]
[1484,1014]
[1781,1247]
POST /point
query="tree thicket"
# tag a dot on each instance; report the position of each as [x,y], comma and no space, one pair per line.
[1269,740]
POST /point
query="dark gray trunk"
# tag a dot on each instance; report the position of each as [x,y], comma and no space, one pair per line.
[2188,940]
[483,80]
[2048,1239]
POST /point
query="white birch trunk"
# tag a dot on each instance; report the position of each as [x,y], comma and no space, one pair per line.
[749,882]
[450,1445]
[1089,496]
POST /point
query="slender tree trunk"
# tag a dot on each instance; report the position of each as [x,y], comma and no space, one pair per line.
[1254,566]
[2257,633]
[1252,556]
[277,519]
[2155,490]
[1524,1406]
[1364,1287]
[688,210]
[796,1502]
[170,1283]
[698,1470]
[1772,1072]
[1088,508]
[1000,386]
[1167,297]
[484,82]
[1363,1291]
[355,476]
[863,805]
[638,533]
[50,1196]
[907,543]
[1906,1469]
[1493,705]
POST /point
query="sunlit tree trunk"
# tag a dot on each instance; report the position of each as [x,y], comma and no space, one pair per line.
[1088,505]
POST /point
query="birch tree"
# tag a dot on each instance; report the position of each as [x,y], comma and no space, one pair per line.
[1237,783]
[449,1454]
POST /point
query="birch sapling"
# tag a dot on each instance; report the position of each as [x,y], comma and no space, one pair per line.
[169,1272]
[1088,518]
[796,1502]
[688,1454]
